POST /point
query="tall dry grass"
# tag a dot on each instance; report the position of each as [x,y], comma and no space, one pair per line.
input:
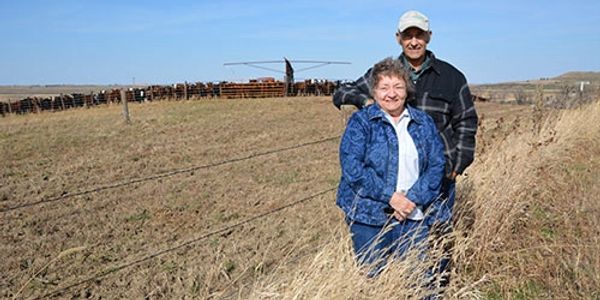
[526,224]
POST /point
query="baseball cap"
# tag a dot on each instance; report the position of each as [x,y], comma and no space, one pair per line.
[413,18]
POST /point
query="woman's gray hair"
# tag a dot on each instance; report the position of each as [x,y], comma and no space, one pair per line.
[390,67]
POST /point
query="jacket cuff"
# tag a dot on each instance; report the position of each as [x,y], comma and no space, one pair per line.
[412,196]
[387,195]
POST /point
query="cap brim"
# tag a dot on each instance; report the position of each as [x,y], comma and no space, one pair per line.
[403,28]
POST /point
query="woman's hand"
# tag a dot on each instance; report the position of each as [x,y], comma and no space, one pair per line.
[402,206]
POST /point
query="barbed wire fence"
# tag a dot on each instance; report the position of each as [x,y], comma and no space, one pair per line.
[68,195]
[125,265]
[150,256]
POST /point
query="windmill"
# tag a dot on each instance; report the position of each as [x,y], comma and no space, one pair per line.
[289,70]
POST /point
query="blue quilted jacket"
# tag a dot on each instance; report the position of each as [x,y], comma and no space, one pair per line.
[369,161]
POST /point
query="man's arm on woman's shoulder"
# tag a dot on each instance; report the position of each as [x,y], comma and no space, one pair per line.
[354,93]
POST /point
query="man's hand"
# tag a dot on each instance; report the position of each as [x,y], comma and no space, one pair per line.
[453,175]
[401,205]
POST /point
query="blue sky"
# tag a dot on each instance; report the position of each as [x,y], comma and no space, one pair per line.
[113,42]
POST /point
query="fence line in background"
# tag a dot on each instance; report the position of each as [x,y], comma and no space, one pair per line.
[179,91]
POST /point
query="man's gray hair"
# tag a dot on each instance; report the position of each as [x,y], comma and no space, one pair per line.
[390,67]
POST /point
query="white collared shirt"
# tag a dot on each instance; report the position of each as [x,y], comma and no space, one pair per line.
[408,159]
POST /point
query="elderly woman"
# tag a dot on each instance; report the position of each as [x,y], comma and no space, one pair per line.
[392,164]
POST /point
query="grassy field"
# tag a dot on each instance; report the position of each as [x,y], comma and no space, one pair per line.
[235,199]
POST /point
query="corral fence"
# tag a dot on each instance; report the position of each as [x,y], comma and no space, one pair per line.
[179,91]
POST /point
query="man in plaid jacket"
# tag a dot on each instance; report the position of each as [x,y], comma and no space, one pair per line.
[441,91]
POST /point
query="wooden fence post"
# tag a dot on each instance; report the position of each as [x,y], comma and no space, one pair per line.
[125,108]
[62,101]
[9,107]
[36,104]
[185,91]
[85,104]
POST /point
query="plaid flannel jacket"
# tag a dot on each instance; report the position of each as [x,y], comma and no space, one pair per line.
[442,92]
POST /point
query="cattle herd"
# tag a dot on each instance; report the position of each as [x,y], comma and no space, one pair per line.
[261,88]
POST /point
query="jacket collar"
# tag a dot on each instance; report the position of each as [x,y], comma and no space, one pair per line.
[374,111]
[433,62]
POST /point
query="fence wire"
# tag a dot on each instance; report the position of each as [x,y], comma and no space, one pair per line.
[68,195]
[151,256]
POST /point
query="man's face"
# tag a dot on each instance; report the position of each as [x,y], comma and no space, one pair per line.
[414,42]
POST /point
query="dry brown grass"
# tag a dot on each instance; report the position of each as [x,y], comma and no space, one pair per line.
[527,225]
[529,212]
[514,238]
[57,153]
